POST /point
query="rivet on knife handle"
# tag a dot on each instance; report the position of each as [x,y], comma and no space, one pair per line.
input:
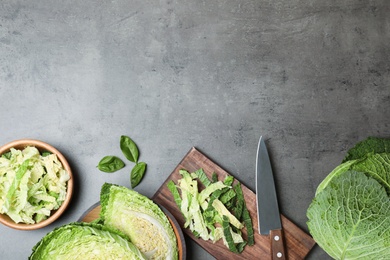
[278,251]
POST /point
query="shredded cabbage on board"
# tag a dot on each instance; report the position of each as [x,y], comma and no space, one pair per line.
[216,212]
[31,184]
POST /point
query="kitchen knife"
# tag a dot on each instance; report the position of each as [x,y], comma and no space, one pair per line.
[267,203]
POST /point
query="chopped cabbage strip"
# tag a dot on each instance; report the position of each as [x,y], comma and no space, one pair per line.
[222,210]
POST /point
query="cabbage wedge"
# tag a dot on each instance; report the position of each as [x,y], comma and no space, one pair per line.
[85,241]
[140,219]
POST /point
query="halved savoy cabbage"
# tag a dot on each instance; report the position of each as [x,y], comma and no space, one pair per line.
[140,219]
[350,215]
[85,241]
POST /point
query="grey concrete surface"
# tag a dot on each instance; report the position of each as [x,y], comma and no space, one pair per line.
[313,77]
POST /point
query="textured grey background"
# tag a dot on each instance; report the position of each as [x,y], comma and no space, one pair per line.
[313,77]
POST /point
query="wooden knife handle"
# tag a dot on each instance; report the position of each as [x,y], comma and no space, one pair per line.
[278,251]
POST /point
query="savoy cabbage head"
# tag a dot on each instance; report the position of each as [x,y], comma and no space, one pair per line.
[350,215]
[85,241]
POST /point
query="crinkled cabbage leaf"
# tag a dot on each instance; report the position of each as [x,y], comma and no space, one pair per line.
[376,166]
[140,219]
[350,218]
[370,145]
[85,241]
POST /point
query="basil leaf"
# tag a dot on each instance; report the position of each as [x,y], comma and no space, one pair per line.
[129,148]
[110,164]
[137,173]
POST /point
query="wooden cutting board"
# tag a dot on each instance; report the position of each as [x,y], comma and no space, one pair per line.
[298,243]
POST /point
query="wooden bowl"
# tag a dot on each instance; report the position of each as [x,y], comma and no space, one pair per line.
[41,146]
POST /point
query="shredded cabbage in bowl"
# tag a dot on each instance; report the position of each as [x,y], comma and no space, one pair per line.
[31,184]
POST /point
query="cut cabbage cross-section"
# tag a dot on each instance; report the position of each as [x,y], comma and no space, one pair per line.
[140,219]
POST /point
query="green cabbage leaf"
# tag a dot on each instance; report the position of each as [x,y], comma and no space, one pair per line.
[376,166]
[85,241]
[350,218]
[140,219]
[370,145]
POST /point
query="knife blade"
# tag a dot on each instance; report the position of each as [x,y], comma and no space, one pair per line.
[267,203]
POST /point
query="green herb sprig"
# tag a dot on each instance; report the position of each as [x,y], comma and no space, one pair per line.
[113,163]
